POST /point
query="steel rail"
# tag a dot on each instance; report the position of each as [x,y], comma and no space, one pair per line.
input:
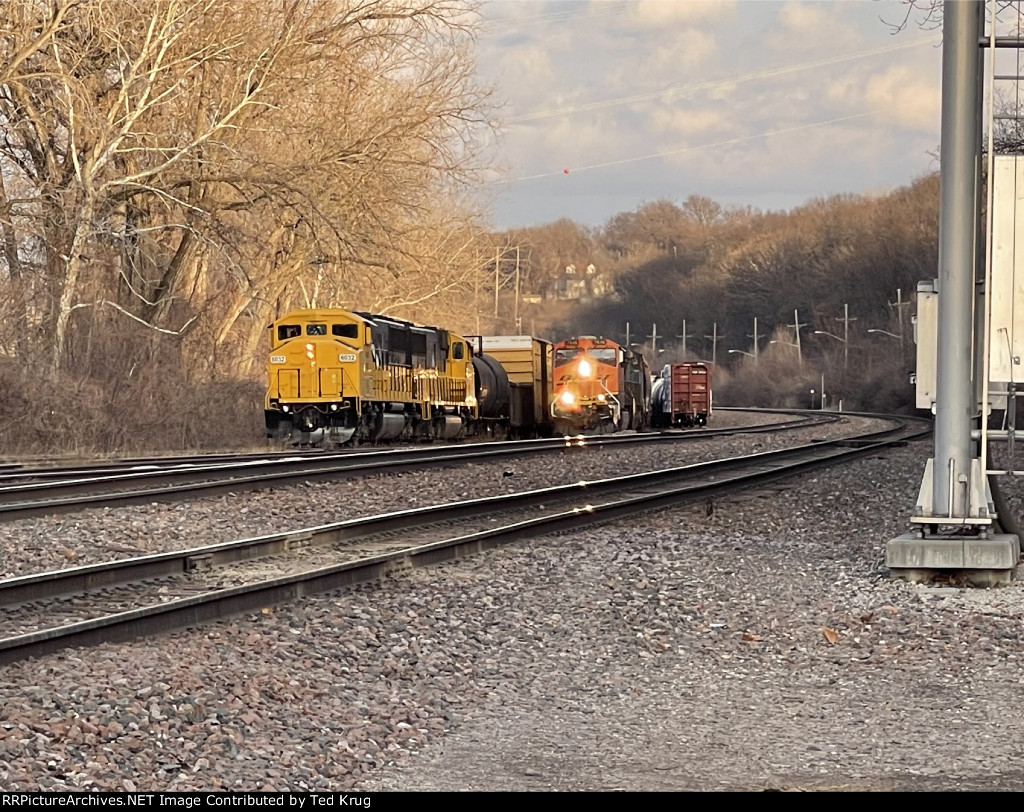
[63,495]
[649,491]
[57,469]
[152,467]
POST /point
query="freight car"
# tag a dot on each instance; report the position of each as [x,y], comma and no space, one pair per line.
[681,395]
[514,385]
[600,386]
[337,376]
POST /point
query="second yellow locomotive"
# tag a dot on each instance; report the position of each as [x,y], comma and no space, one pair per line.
[335,375]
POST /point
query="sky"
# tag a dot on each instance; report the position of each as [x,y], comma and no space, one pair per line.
[608,104]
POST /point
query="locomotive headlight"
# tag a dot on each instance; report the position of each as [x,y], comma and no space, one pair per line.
[567,397]
[585,368]
[334,407]
[284,408]
[601,398]
[309,351]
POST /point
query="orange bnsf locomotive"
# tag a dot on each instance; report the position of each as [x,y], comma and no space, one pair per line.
[600,386]
[336,375]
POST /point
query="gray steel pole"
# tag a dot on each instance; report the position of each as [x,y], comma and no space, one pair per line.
[516,310]
[846,336]
[497,282]
[715,338]
[796,329]
[958,167]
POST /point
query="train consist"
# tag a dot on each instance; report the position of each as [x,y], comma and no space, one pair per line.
[337,376]
[681,396]
[599,386]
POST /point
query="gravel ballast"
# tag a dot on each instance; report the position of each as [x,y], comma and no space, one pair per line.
[754,642]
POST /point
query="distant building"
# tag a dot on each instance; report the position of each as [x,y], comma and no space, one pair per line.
[582,287]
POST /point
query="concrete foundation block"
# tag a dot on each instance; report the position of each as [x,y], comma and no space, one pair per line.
[910,553]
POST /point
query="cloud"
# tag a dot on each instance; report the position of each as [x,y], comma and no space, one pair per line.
[662,12]
[692,47]
[804,18]
[912,100]
[523,70]
[910,97]
[687,121]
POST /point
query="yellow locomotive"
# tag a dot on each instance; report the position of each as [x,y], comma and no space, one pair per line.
[335,375]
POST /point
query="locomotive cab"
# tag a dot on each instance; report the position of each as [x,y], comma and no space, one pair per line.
[313,372]
[335,375]
[599,386]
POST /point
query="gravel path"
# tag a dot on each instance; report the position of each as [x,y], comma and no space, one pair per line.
[755,645]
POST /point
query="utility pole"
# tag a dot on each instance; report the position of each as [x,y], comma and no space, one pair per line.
[755,337]
[846,333]
[654,341]
[714,343]
[796,329]
[683,337]
[900,304]
[627,335]
[516,311]
[497,262]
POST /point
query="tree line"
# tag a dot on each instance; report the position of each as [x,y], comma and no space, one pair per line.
[814,280]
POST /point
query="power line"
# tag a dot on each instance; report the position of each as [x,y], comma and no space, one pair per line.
[696,147]
[716,83]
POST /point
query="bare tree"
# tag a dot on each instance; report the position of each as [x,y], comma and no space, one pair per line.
[180,160]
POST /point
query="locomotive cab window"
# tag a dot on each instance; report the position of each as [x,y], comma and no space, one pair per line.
[316,329]
[345,330]
[606,356]
[458,350]
[286,331]
[564,356]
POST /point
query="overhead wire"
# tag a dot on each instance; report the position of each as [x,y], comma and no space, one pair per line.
[712,145]
[705,86]
[716,83]
[688,89]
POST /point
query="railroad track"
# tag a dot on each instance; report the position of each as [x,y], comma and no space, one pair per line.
[129,598]
[39,492]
